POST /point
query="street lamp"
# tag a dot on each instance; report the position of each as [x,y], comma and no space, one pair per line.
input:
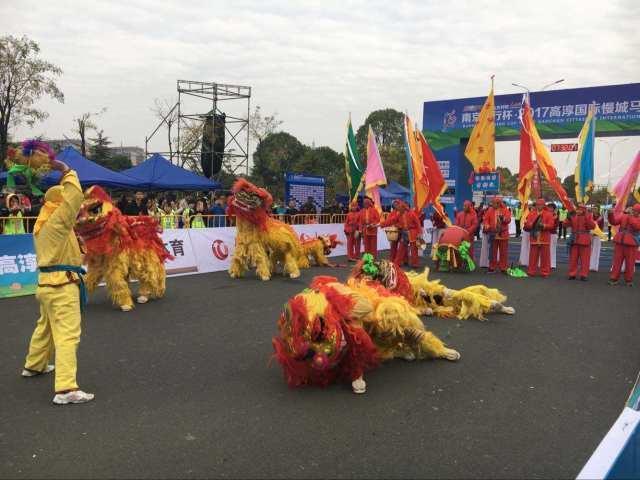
[611,146]
[542,89]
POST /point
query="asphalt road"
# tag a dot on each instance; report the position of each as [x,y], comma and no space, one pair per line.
[184,389]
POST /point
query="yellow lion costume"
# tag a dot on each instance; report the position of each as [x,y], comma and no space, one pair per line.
[120,248]
[470,302]
[334,331]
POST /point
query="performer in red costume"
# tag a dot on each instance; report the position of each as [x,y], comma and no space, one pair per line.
[626,244]
[438,226]
[369,221]
[391,221]
[540,223]
[581,223]
[495,224]
[352,232]
[468,219]
[409,228]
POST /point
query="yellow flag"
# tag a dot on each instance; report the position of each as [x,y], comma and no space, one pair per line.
[481,149]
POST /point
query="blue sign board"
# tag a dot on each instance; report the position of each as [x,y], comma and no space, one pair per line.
[486,182]
[18,265]
[619,104]
[300,187]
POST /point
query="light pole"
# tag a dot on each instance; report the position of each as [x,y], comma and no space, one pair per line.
[537,184]
[611,146]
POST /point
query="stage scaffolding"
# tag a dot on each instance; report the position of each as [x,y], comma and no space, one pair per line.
[197,101]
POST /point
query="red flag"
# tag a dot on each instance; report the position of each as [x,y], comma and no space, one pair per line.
[433,176]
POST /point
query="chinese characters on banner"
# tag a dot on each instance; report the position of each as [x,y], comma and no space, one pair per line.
[18,266]
[486,182]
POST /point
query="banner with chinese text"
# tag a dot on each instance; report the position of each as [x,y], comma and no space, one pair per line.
[18,266]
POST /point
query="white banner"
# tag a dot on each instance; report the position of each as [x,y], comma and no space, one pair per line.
[203,250]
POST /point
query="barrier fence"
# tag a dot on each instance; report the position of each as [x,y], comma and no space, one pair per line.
[25,224]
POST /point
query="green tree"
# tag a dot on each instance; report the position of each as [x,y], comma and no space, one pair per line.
[324,162]
[99,149]
[569,184]
[24,79]
[119,162]
[508,181]
[388,128]
[275,155]
[84,124]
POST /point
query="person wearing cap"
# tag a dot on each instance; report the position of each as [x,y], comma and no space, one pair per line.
[439,224]
[369,221]
[553,237]
[391,221]
[581,223]
[540,222]
[625,243]
[13,225]
[60,289]
[409,229]
[468,219]
[495,225]
[352,232]
[596,240]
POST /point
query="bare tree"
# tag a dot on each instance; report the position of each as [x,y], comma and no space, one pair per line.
[190,144]
[84,124]
[261,126]
[24,79]
[165,110]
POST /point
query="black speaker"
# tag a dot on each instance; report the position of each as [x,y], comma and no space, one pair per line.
[213,143]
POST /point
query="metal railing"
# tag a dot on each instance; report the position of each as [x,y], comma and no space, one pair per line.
[199,220]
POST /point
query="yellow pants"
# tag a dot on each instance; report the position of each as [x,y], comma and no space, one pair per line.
[58,329]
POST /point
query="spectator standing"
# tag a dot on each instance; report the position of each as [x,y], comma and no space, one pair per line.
[14,224]
[218,212]
[562,216]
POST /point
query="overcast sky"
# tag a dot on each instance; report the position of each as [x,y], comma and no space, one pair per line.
[313,62]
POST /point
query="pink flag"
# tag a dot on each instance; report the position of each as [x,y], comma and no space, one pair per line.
[374,176]
[625,185]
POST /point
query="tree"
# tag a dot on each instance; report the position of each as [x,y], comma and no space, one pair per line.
[119,162]
[24,79]
[276,154]
[99,149]
[569,184]
[84,124]
[167,112]
[508,181]
[260,127]
[324,162]
[388,129]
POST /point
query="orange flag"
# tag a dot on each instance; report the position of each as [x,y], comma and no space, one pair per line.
[481,149]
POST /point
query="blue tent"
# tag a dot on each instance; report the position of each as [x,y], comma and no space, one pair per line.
[396,188]
[158,173]
[386,197]
[89,173]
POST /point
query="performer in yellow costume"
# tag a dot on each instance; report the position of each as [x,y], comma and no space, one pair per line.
[60,289]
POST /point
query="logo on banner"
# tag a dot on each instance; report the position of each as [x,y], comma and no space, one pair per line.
[220,249]
[449,119]
[304,237]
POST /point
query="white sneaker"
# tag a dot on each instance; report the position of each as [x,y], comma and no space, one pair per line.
[142,299]
[29,373]
[126,308]
[359,385]
[77,396]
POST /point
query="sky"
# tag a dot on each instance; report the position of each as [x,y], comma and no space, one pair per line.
[313,63]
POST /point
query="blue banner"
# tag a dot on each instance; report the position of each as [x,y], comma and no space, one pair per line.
[300,187]
[617,103]
[18,266]
[486,182]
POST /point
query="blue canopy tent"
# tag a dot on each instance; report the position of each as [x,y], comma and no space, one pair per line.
[89,173]
[158,173]
[386,197]
[397,189]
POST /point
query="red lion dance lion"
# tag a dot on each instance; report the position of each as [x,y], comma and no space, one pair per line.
[120,248]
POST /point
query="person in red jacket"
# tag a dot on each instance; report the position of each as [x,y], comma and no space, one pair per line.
[625,244]
[468,219]
[409,229]
[581,223]
[369,221]
[352,232]
[540,223]
[438,225]
[391,221]
[495,224]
